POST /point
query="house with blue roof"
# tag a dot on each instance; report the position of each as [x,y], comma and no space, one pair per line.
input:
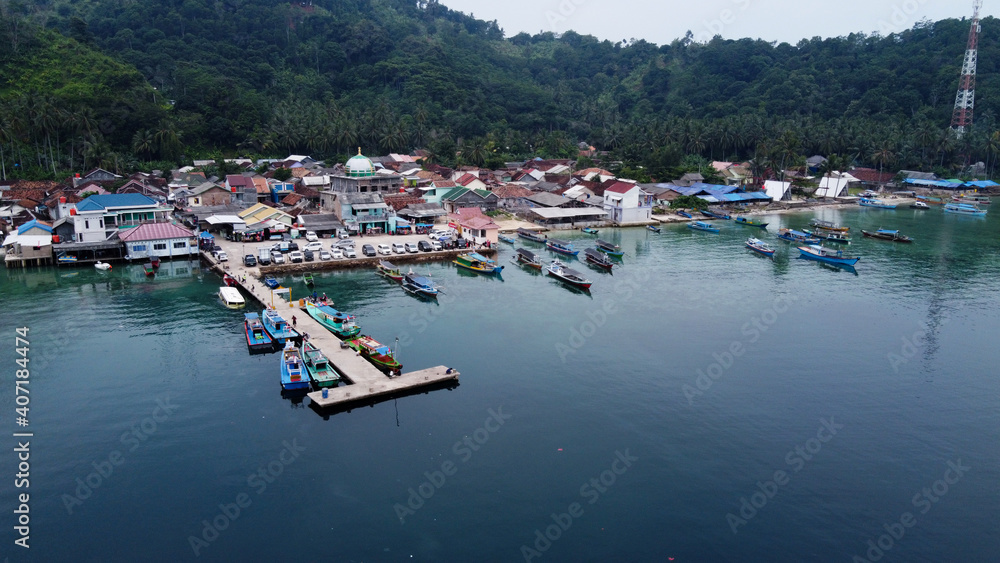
[98,217]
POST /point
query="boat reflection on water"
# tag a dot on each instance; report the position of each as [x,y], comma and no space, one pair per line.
[295,397]
[829,266]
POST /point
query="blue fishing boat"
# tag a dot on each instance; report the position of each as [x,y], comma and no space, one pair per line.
[750,222]
[66,259]
[278,328]
[792,235]
[477,263]
[530,235]
[589,230]
[293,372]
[703,226]
[876,203]
[561,246]
[339,323]
[828,255]
[609,248]
[760,247]
[257,337]
[683,213]
[270,282]
[653,228]
[420,285]
[507,239]
[964,209]
[829,236]
[716,215]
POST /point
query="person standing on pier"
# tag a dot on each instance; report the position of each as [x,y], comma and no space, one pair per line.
[293,320]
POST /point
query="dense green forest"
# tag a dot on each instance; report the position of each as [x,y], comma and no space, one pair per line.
[126,84]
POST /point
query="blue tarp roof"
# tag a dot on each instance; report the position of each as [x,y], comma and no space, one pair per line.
[206,234]
[982,184]
[32,224]
[934,183]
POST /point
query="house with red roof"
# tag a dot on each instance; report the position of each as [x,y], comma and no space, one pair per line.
[471,181]
[627,203]
[474,226]
[163,240]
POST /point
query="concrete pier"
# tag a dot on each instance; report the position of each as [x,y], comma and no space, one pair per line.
[364,381]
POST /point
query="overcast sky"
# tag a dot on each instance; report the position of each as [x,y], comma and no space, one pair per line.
[661,22]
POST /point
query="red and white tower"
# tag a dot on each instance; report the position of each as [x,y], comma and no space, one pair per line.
[961,117]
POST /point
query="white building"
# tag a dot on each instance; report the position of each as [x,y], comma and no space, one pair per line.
[163,240]
[627,203]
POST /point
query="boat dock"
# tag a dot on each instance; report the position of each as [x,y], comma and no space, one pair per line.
[364,381]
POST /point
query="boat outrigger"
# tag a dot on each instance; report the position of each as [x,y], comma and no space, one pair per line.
[293,373]
[828,255]
[596,258]
[477,263]
[530,235]
[527,258]
[278,327]
[703,226]
[318,366]
[257,337]
[377,353]
[561,246]
[792,235]
[609,248]
[389,270]
[339,323]
[750,222]
[760,247]
[568,275]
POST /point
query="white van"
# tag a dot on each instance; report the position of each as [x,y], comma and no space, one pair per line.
[263,255]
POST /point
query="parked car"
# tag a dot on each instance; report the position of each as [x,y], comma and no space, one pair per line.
[311,236]
[222,256]
[349,252]
[293,246]
[398,248]
[249,260]
[295,257]
[425,246]
[277,257]
[337,253]
[411,247]
[341,243]
[308,255]
[436,245]
[384,249]
[342,234]
[325,255]
[315,246]
[368,250]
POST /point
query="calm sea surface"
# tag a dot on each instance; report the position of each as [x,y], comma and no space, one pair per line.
[701,404]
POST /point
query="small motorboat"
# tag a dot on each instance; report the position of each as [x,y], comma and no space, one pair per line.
[527,258]
[703,226]
[293,373]
[610,248]
[598,259]
[507,239]
[653,228]
[561,246]
[558,270]
[149,269]
[716,215]
[102,265]
[919,205]
[530,235]
[791,235]
[683,213]
[420,285]
[829,236]
[828,226]
[828,255]
[589,230]
[760,247]
[229,280]
[886,234]
[257,336]
[270,282]
[750,222]
[155,261]
[389,270]
[308,279]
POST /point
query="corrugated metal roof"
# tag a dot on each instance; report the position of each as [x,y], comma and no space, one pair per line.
[101,202]
[154,231]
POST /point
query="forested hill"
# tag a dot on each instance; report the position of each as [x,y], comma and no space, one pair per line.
[254,76]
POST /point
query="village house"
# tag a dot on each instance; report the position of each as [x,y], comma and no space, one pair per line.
[97,217]
[475,227]
[626,203]
[207,194]
[161,240]
[31,244]
[361,212]
[458,198]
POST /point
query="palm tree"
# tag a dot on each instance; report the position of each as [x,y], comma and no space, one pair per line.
[144,142]
[883,155]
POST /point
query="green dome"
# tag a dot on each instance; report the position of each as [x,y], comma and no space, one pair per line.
[360,166]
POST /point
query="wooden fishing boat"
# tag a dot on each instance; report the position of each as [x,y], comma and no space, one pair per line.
[278,327]
[380,355]
[389,270]
[308,279]
[257,337]
[750,222]
[919,205]
[420,285]
[609,248]
[293,373]
[683,213]
[507,239]
[527,258]
[270,282]
[318,366]
[886,234]
[974,199]
[876,203]
[653,228]
[830,236]
[792,235]
[828,226]
[715,215]
[597,258]
[930,200]
[530,235]
[703,226]
[828,255]
[561,246]
[760,247]
[559,271]
[477,263]
[339,323]
[589,230]
[964,209]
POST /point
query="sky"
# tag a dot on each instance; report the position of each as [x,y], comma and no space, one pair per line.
[661,22]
